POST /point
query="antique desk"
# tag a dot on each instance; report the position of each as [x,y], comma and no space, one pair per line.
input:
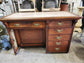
[53,29]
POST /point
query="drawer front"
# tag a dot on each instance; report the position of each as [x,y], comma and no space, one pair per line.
[59,37]
[27,24]
[57,43]
[60,31]
[60,24]
[57,49]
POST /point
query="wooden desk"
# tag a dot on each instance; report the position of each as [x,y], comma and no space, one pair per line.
[53,29]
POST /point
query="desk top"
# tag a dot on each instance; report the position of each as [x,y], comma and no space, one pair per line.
[40,15]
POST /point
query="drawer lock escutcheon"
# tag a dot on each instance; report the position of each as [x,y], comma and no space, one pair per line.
[58,37]
[16,24]
[60,23]
[57,49]
[58,43]
[36,24]
[59,31]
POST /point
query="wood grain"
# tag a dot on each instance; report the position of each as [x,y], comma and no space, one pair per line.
[60,31]
[32,36]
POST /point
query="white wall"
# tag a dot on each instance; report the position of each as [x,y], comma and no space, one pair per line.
[7,7]
[77,3]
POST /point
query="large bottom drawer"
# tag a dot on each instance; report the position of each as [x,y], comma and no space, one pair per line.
[57,49]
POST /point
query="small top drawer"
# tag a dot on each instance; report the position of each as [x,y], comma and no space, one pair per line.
[26,24]
[58,49]
[60,24]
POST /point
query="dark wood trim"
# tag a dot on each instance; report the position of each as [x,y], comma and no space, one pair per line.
[6,24]
[17,37]
[12,42]
[47,36]
[73,24]
[31,45]
[24,28]
[11,38]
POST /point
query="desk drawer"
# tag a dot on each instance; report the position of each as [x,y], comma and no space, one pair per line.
[57,49]
[27,24]
[59,37]
[60,31]
[58,43]
[60,24]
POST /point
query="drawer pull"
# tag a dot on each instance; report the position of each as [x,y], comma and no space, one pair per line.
[36,24]
[16,24]
[57,49]
[59,31]
[58,37]
[60,24]
[58,43]
[1,30]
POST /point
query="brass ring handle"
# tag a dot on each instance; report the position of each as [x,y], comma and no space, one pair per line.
[1,30]
[59,31]
[57,49]
[16,24]
[60,23]
[36,24]
[58,43]
[58,37]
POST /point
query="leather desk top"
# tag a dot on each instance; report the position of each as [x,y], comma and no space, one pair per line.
[40,16]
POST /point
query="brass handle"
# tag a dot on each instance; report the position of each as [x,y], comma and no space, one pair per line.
[36,24]
[1,30]
[58,37]
[58,43]
[60,23]
[16,24]
[57,49]
[59,31]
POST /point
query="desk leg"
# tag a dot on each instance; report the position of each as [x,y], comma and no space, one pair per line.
[47,37]
[15,48]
